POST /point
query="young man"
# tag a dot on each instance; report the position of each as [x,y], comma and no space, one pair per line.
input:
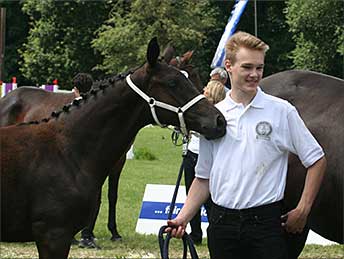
[245,171]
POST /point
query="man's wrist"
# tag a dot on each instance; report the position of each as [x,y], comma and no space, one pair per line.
[304,209]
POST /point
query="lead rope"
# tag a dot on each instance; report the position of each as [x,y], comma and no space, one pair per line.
[164,238]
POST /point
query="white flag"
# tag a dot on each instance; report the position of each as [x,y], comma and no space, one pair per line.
[219,58]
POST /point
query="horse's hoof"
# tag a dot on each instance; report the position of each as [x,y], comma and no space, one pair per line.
[88,243]
[116,238]
[74,241]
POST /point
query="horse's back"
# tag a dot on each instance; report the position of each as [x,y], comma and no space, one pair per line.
[30,103]
[319,99]
[307,90]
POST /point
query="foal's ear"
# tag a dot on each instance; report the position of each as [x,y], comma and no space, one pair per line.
[153,52]
[168,53]
[187,56]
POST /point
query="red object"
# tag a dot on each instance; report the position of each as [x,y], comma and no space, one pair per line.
[14,80]
[55,82]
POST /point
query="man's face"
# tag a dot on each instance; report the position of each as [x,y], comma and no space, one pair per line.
[247,71]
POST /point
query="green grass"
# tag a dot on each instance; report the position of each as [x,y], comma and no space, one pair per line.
[136,174]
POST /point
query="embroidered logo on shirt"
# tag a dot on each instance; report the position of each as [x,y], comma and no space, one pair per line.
[263,130]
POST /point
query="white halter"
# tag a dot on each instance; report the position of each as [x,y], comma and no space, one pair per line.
[152,103]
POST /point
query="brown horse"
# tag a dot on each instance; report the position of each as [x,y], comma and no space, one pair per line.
[182,63]
[52,170]
[320,101]
[27,104]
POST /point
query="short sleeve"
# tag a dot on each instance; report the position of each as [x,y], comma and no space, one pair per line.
[205,158]
[302,142]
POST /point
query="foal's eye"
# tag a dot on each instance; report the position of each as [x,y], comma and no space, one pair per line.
[171,84]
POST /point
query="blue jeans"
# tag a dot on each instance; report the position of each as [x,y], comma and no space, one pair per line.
[254,233]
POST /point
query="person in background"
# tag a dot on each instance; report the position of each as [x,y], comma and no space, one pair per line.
[220,74]
[82,83]
[215,92]
[245,171]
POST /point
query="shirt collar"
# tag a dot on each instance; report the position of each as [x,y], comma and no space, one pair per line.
[257,102]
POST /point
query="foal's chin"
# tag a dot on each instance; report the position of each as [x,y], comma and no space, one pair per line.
[211,129]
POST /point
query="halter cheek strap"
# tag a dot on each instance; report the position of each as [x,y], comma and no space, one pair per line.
[152,103]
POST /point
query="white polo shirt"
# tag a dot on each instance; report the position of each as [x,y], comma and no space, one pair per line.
[193,145]
[248,166]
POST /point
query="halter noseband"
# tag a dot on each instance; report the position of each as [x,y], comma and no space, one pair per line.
[152,103]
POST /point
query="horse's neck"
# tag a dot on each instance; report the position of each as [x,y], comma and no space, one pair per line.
[100,130]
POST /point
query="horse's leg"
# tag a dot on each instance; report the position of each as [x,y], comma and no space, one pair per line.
[112,197]
[53,243]
[57,249]
[296,243]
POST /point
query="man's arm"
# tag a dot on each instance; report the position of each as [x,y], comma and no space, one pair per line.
[297,217]
[198,194]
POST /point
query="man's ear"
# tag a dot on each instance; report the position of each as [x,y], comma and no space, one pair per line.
[228,66]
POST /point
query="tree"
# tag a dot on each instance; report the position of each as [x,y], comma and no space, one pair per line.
[318,32]
[122,41]
[16,33]
[59,40]
[59,45]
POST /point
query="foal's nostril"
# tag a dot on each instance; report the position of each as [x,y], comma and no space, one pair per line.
[221,122]
[221,125]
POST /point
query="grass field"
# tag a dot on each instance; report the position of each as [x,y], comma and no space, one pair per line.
[136,174]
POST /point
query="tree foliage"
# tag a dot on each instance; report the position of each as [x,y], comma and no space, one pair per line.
[16,33]
[318,31]
[59,40]
[123,39]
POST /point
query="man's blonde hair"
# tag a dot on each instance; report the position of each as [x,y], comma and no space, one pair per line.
[216,91]
[246,40]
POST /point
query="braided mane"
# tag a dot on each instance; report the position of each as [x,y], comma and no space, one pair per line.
[99,85]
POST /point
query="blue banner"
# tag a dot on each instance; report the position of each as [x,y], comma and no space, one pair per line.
[160,210]
[238,9]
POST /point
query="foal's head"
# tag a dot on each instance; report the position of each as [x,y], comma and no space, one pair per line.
[183,63]
[169,85]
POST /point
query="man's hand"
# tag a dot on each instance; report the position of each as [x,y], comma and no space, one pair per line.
[295,220]
[198,194]
[176,227]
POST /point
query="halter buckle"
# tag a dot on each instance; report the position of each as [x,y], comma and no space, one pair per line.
[151,102]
